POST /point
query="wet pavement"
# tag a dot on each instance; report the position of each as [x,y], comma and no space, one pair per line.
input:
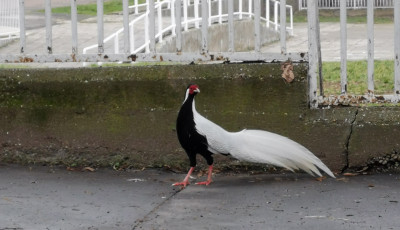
[57,198]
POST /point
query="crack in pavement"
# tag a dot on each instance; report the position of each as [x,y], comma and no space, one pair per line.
[145,218]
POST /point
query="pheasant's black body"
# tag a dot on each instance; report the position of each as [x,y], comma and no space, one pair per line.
[191,141]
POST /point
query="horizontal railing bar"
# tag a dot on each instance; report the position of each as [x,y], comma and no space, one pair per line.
[156,57]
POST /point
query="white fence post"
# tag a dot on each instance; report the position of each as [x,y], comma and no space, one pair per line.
[313,56]
[257,35]
[370,49]
[152,24]
[240,9]
[231,27]
[204,26]
[74,26]
[185,14]
[22,41]
[267,14]
[160,21]
[146,30]
[125,12]
[48,27]
[219,11]
[136,6]
[196,13]
[282,8]
[276,15]
[397,51]
[250,7]
[343,46]
[178,25]
[100,26]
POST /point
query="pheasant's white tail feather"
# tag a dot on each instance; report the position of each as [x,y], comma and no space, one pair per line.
[265,147]
[259,146]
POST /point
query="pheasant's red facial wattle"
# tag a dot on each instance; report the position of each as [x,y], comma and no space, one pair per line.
[194,89]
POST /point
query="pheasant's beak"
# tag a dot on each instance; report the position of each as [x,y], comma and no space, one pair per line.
[197,90]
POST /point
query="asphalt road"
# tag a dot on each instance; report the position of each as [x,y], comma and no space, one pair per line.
[56,198]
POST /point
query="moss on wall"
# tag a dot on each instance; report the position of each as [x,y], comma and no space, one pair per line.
[125,116]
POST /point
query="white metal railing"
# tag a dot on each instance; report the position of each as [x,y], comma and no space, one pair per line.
[315,52]
[166,25]
[9,20]
[154,26]
[351,4]
[275,22]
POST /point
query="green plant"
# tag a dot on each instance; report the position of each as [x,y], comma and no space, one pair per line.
[357,77]
[91,9]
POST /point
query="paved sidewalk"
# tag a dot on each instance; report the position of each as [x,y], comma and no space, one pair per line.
[330,41]
[55,198]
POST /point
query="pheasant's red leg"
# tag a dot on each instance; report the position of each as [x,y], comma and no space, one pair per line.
[186,180]
[208,181]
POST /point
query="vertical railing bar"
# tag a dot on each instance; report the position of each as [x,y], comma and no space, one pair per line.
[291,20]
[185,14]
[276,15]
[250,8]
[125,12]
[240,9]
[49,39]
[370,49]
[146,30]
[116,44]
[267,13]
[343,46]
[136,6]
[209,12]
[219,11]
[196,13]
[178,25]
[204,26]
[173,19]
[22,35]
[320,76]
[100,26]
[160,21]
[231,27]
[313,40]
[396,5]
[74,27]
[257,16]
[152,25]
[282,22]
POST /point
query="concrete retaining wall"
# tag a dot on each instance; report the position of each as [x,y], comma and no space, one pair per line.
[125,116]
